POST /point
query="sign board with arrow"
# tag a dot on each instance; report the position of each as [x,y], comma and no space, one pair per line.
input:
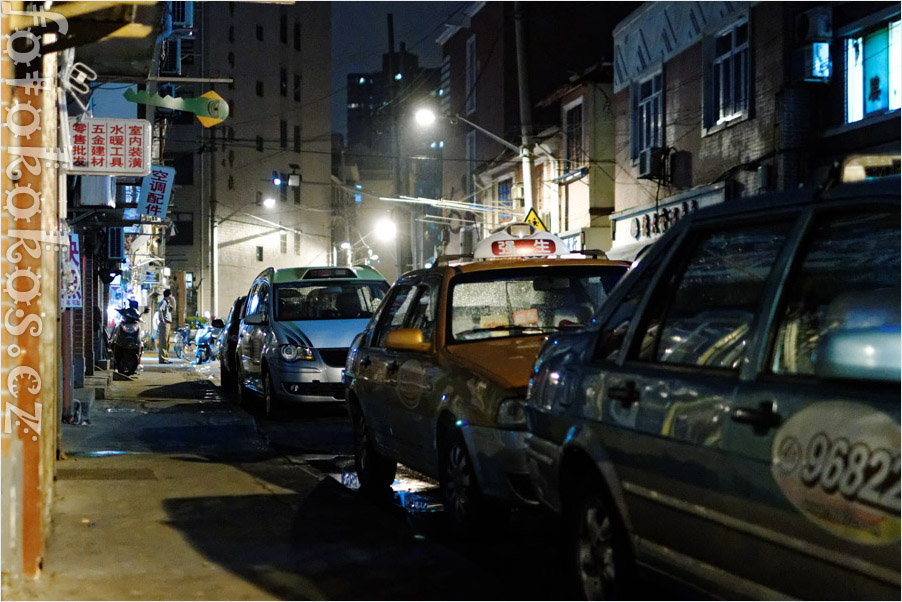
[210,108]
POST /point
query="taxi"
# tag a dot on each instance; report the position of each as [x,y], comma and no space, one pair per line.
[732,418]
[438,379]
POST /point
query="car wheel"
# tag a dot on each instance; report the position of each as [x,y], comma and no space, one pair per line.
[598,548]
[374,471]
[465,504]
[269,403]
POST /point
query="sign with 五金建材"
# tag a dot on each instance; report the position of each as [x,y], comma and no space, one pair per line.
[110,147]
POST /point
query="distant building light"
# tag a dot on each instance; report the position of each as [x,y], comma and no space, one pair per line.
[441,144]
[358,186]
[441,91]
[432,145]
[353,105]
[358,198]
[397,76]
[361,81]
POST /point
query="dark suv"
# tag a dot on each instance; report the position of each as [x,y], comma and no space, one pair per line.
[733,418]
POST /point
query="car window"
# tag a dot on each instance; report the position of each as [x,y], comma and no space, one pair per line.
[702,316]
[841,311]
[517,302]
[423,312]
[393,318]
[254,298]
[333,300]
[614,331]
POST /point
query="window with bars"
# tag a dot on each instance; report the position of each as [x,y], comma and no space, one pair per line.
[647,116]
[729,80]
[505,200]
[874,72]
[574,153]
[283,242]
[297,243]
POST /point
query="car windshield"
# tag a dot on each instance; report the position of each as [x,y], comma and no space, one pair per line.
[518,302]
[327,300]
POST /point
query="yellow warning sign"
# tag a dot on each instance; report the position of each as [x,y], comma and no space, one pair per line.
[533,218]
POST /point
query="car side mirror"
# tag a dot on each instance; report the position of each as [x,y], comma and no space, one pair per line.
[217,323]
[256,319]
[406,339]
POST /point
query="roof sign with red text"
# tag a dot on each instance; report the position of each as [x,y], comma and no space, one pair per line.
[519,239]
[110,147]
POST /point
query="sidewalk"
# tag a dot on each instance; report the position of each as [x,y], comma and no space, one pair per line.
[143,457]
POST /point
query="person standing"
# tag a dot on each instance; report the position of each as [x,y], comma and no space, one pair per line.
[164,315]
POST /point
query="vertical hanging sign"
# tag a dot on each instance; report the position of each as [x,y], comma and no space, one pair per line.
[156,188]
[74,292]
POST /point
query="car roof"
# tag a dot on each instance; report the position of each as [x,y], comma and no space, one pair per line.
[280,275]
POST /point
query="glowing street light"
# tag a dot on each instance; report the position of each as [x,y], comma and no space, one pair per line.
[269,202]
[385,230]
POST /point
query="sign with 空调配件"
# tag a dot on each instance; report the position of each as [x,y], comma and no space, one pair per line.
[156,189]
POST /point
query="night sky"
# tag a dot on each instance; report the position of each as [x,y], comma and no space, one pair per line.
[360,37]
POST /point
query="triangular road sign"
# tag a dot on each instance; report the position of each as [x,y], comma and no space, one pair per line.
[533,218]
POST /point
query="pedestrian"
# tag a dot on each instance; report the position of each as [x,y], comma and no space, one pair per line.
[164,314]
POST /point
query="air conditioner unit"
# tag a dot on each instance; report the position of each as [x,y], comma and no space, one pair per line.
[115,243]
[651,162]
[815,25]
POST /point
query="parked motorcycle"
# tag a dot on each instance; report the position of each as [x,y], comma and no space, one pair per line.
[182,342]
[125,343]
[207,341]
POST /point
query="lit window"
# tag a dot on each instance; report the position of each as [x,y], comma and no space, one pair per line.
[648,117]
[873,73]
[728,85]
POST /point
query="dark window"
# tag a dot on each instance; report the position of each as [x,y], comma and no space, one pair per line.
[231,59]
[184,168]
[260,143]
[297,35]
[297,138]
[260,32]
[183,223]
[283,134]
[843,300]
[702,315]
[231,33]
[297,87]
[259,253]
[283,187]
[575,155]
[259,88]
[283,241]
[283,81]
[283,29]
[728,86]
[297,194]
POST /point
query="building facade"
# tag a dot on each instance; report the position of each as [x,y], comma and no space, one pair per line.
[272,65]
[719,101]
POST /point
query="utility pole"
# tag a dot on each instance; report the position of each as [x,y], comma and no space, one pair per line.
[214,238]
[396,140]
[525,105]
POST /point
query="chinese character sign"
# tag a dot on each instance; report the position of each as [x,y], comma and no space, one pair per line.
[524,247]
[114,147]
[156,188]
[74,291]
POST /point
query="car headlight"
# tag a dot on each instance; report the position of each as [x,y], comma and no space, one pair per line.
[293,353]
[512,414]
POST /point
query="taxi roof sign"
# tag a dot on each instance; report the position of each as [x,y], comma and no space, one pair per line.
[519,239]
[533,219]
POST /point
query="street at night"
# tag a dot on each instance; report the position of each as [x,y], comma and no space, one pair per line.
[450,300]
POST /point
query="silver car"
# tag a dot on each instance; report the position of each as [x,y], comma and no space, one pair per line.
[295,332]
[733,419]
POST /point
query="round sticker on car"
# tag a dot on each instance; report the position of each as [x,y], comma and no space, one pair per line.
[411,382]
[838,463]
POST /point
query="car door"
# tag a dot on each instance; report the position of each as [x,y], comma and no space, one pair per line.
[414,404]
[378,367]
[254,330]
[664,404]
[814,438]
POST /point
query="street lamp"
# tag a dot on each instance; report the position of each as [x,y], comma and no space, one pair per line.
[426,117]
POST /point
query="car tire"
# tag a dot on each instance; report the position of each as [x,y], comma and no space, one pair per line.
[375,472]
[601,562]
[269,401]
[465,505]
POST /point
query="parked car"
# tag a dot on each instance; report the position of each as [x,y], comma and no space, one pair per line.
[732,419]
[438,379]
[228,357]
[295,332]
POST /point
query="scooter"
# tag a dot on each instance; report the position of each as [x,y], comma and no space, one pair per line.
[125,343]
[182,341]
[207,341]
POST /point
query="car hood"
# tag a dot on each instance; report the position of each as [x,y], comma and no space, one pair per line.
[507,361]
[322,334]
